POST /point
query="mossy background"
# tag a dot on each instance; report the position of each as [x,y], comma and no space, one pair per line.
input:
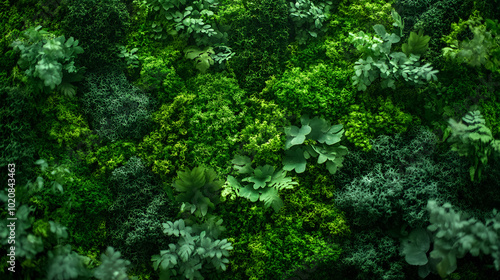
[241,107]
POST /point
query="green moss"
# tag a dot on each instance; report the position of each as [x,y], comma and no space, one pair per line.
[366,122]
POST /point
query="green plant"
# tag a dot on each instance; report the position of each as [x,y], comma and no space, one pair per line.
[378,117]
[318,90]
[199,190]
[259,36]
[471,138]
[138,207]
[65,264]
[49,61]
[131,59]
[454,235]
[309,18]
[194,19]
[118,109]
[324,144]
[202,58]
[379,61]
[417,44]
[99,25]
[266,183]
[482,49]
[112,266]
[194,252]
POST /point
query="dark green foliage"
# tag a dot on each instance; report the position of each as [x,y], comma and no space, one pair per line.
[195,252]
[198,189]
[266,183]
[370,255]
[99,25]
[112,266]
[118,109]
[259,37]
[320,90]
[324,144]
[191,19]
[309,18]
[49,62]
[65,264]
[18,138]
[394,190]
[471,138]
[137,211]
[483,49]
[434,19]
[379,62]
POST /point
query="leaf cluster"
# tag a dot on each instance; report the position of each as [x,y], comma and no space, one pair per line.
[455,235]
[194,253]
[380,62]
[309,18]
[264,183]
[482,49]
[49,61]
[138,208]
[194,19]
[471,138]
[324,144]
[199,190]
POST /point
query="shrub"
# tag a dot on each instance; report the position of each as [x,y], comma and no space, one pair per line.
[309,18]
[49,61]
[259,37]
[99,25]
[137,211]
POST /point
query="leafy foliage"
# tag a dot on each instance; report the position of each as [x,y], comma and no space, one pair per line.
[394,190]
[49,62]
[118,109]
[99,25]
[482,49]
[65,264]
[202,58]
[194,252]
[19,138]
[434,18]
[137,210]
[198,189]
[158,74]
[325,147]
[417,44]
[131,59]
[195,19]
[471,138]
[456,235]
[309,18]
[379,61]
[259,37]
[112,266]
[266,183]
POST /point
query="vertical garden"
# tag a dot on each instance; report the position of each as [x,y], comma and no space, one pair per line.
[235,139]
